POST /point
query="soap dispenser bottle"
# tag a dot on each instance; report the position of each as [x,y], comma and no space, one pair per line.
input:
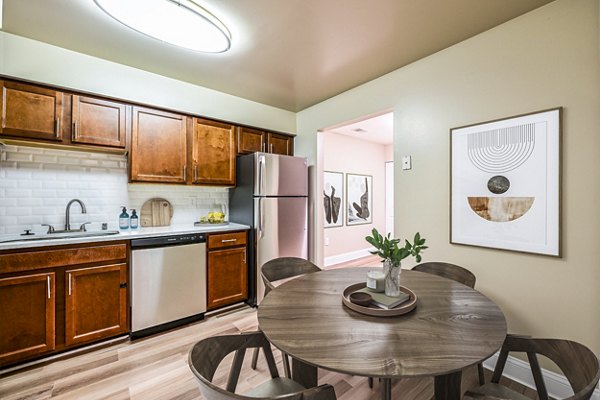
[124,219]
[134,220]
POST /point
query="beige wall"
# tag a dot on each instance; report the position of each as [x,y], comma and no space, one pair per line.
[36,61]
[349,155]
[547,58]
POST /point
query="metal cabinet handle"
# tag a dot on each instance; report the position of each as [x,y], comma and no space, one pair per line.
[57,127]
[228,240]
[75,131]
[244,256]
[69,283]
[184,171]
[195,172]
[48,280]
[270,151]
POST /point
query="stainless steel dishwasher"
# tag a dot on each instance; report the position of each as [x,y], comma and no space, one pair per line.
[168,282]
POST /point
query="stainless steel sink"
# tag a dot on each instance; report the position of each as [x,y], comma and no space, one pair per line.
[62,235]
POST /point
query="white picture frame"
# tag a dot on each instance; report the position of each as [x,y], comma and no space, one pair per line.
[359,199]
[505,184]
[333,199]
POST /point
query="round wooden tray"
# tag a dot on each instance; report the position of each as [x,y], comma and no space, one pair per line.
[375,311]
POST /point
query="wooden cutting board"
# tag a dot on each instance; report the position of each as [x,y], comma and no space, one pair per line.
[156,212]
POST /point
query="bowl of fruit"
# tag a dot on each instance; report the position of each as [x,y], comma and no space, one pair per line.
[212,218]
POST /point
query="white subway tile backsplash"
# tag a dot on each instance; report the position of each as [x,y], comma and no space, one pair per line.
[37,184]
[17,192]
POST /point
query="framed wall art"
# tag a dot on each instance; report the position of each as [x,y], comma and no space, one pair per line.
[359,199]
[505,183]
[333,189]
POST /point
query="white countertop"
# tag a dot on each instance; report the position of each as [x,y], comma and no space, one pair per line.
[122,235]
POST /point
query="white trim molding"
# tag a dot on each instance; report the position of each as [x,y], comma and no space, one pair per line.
[353,255]
[519,371]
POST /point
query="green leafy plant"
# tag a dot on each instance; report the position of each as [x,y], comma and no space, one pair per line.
[388,249]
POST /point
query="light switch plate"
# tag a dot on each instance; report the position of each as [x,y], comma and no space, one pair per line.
[406,163]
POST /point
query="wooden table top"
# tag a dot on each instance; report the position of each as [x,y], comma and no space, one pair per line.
[452,327]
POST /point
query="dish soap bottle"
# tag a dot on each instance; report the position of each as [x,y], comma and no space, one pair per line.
[133,221]
[124,219]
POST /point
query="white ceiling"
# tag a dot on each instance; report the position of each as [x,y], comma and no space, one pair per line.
[289,54]
[378,129]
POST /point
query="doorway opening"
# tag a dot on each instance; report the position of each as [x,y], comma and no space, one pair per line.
[357,159]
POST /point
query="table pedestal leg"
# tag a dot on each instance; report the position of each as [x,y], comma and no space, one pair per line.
[304,374]
[447,387]
[386,389]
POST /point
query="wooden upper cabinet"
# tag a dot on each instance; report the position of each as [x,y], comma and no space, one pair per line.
[95,303]
[30,111]
[158,146]
[250,140]
[213,152]
[98,122]
[280,144]
[27,307]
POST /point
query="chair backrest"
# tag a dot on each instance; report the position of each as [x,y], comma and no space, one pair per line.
[285,267]
[207,354]
[447,270]
[578,363]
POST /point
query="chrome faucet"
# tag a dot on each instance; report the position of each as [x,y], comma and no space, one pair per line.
[68,217]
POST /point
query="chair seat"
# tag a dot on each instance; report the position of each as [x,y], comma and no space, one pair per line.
[275,387]
[493,391]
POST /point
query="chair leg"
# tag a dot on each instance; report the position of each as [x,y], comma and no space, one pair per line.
[255,358]
[286,365]
[370,383]
[481,375]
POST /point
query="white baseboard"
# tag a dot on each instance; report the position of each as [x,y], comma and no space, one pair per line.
[519,371]
[353,255]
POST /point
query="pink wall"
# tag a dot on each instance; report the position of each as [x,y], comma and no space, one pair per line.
[348,155]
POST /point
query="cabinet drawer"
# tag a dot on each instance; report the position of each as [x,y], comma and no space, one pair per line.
[226,240]
[46,258]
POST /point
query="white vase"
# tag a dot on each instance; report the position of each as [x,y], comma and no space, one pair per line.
[392,279]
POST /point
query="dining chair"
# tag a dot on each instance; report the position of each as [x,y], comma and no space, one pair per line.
[449,271]
[458,274]
[273,271]
[207,354]
[578,363]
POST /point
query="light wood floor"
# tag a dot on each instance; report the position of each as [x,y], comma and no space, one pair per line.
[156,368]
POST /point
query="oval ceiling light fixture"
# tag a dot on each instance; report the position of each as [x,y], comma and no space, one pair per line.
[182,23]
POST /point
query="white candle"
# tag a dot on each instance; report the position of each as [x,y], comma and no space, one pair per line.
[375,281]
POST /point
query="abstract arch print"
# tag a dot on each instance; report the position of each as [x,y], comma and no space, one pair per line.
[505,183]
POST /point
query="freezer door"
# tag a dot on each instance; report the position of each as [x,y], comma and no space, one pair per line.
[281,231]
[278,175]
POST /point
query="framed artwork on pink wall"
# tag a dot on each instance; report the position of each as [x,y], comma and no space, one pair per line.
[505,183]
[359,199]
[333,189]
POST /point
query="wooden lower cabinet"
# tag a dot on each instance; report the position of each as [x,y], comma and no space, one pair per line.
[56,298]
[27,307]
[95,303]
[227,277]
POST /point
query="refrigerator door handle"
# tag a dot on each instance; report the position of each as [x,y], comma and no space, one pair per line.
[261,174]
[260,218]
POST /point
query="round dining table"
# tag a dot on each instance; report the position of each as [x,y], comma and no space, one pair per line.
[452,327]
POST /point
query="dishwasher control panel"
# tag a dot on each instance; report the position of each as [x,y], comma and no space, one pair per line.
[169,240]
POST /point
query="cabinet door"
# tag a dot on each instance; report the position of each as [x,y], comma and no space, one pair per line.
[227,277]
[280,144]
[250,140]
[27,310]
[95,303]
[98,122]
[158,147]
[214,152]
[30,111]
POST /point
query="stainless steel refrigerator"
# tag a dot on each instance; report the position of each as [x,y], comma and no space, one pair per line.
[271,196]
